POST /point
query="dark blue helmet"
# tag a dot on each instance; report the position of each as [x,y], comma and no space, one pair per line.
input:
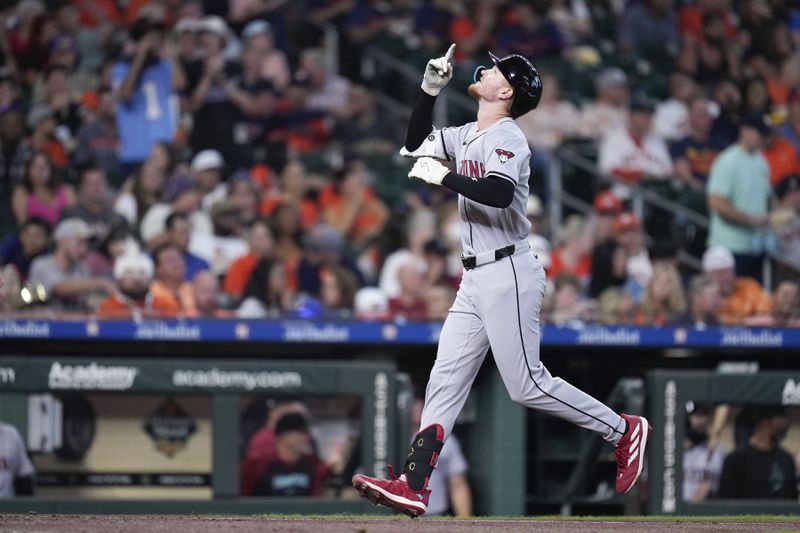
[523,78]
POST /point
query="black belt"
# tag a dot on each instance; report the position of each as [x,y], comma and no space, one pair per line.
[471,261]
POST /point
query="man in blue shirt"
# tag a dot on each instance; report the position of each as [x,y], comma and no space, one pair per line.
[179,230]
[143,81]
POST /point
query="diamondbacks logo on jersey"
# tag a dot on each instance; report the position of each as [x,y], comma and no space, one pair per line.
[504,155]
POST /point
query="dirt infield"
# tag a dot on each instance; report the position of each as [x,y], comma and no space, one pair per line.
[44,523]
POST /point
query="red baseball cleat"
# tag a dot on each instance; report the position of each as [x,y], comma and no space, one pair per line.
[630,452]
[393,493]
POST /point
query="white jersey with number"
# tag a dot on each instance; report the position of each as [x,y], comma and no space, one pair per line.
[500,150]
[14,460]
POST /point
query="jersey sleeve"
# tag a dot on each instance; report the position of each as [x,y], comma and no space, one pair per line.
[24,468]
[448,138]
[506,155]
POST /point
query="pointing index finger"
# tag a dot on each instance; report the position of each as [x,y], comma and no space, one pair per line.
[450,51]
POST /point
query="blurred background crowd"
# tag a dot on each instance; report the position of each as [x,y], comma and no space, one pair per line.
[215,159]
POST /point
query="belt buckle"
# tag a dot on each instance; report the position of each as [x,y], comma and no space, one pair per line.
[469,262]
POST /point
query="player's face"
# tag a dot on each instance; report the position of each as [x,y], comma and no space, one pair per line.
[491,86]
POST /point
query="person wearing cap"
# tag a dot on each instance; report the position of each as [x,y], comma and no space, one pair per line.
[702,456]
[638,266]
[273,65]
[760,468]
[607,206]
[694,154]
[207,167]
[133,273]
[785,217]
[634,153]
[743,298]
[608,111]
[288,466]
[143,83]
[738,195]
[65,274]
[97,139]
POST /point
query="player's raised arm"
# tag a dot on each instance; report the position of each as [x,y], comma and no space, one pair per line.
[438,73]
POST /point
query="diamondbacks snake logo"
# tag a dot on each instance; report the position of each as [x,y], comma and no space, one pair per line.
[504,155]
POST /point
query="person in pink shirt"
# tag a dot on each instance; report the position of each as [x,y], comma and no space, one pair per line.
[41,194]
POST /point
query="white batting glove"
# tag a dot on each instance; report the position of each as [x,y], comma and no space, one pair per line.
[430,170]
[438,72]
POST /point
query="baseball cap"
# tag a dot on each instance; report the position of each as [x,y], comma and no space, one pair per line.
[643,103]
[291,422]
[214,24]
[626,221]
[134,261]
[72,228]
[758,122]
[611,76]
[256,27]
[177,185]
[607,202]
[207,160]
[534,207]
[371,303]
[716,258]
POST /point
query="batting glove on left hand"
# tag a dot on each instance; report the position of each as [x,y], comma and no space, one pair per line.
[438,72]
[430,170]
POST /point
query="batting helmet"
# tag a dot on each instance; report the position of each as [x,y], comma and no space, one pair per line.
[523,78]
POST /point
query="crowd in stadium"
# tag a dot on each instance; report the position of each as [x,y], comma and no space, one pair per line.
[202,159]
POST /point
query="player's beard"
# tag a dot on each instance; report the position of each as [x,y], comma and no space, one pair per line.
[473,91]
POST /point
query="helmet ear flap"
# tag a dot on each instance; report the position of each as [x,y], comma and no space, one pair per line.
[477,75]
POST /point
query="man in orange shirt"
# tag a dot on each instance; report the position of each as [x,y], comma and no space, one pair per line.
[780,155]
[169,282]
[262,244]
[133,298]
[743,298]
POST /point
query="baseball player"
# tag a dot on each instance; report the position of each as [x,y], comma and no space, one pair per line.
[500,295]
[16,470]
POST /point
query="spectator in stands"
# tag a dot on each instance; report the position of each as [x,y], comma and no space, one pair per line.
[608,111]
[449,481]
[785,217]
[780,84]
[267,293]
[64,274]
[132,297]
[285,225]
[439,299]
[790,129]
[647,27]
[57,99]
[143,190]
[329,92]
[259,39]
[638,267]
[760,468]
[785,305]
[262,246]
[295,188]
[780,156]
[362,128]
[42,125]
[615,305]
[117,242]
[351,207]
[738,197]
[420,228]
[756,96]
[179,231]
[702,458]
[337,291]
[206,295]
[742,297]
[527,30]
[20,250]
[97,138]
[671,119]
[41,193]
[728,99]
[95,204]
[712,56]
[143,82]
[181,195]
[227,241]
[633,153]
[663,300]
[245,196]
[704,303]
[262,442]
[606,207]
[17,472]
[568,304]
[15,151]
[694,154]
[170,279]
[410,303]
[207,167]
[555,119]
[572,254]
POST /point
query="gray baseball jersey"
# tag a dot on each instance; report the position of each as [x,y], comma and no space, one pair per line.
[500,150]
[14,460]
[498,302]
